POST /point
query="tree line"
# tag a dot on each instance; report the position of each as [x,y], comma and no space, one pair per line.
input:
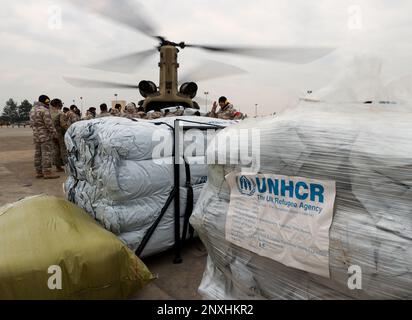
[15,113]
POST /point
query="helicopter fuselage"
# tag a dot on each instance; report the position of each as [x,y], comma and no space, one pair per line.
[168,94]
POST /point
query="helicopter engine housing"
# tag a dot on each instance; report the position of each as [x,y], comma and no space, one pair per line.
[147,88]
[189,89]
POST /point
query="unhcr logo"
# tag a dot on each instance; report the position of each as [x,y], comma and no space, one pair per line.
[246,186]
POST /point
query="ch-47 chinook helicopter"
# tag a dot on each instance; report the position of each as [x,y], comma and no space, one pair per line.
[168,93]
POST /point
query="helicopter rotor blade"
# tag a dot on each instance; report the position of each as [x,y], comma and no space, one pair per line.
[124,64]
[211,70]
[125,12]
[297,55]
[86,83]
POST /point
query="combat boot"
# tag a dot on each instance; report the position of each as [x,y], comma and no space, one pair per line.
[49,175]
[39,175]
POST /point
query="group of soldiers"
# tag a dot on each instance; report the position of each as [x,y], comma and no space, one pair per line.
[49,125]
[226,112]
[50,121]
[131,111]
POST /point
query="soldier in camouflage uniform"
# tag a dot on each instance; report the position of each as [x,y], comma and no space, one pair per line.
[176,113]
[64,121]
[130,111]
[115,112]
[90,114]
[140,113]
[72,115]
[43,134]
[103,111]
[154,115]
[59,122]
[226,112]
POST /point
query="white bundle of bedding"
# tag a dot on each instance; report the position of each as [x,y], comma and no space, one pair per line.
[366,150]
[122,173]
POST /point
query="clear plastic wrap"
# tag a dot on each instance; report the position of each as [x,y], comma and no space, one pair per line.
[366,149]
[115,175]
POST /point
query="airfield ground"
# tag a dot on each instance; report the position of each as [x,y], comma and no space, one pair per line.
[17,182]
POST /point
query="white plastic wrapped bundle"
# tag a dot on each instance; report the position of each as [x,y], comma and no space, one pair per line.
[367,151]
[117,176]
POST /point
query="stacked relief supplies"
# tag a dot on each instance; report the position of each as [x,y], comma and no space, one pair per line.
[51,249]
[122,174]
[363,154]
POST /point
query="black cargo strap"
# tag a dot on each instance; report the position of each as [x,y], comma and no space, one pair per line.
[152,229]
[189,202]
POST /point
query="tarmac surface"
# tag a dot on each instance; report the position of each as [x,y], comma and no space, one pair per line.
[17,181]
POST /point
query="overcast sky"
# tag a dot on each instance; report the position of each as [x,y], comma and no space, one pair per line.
[35,55]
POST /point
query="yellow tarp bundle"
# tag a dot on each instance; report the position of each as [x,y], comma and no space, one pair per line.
[51,249]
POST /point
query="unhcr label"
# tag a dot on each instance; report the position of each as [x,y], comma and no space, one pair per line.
[283,218]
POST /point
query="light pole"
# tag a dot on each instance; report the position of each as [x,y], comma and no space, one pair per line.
[256,105]
[115,97]
[81,104]
[206,94]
